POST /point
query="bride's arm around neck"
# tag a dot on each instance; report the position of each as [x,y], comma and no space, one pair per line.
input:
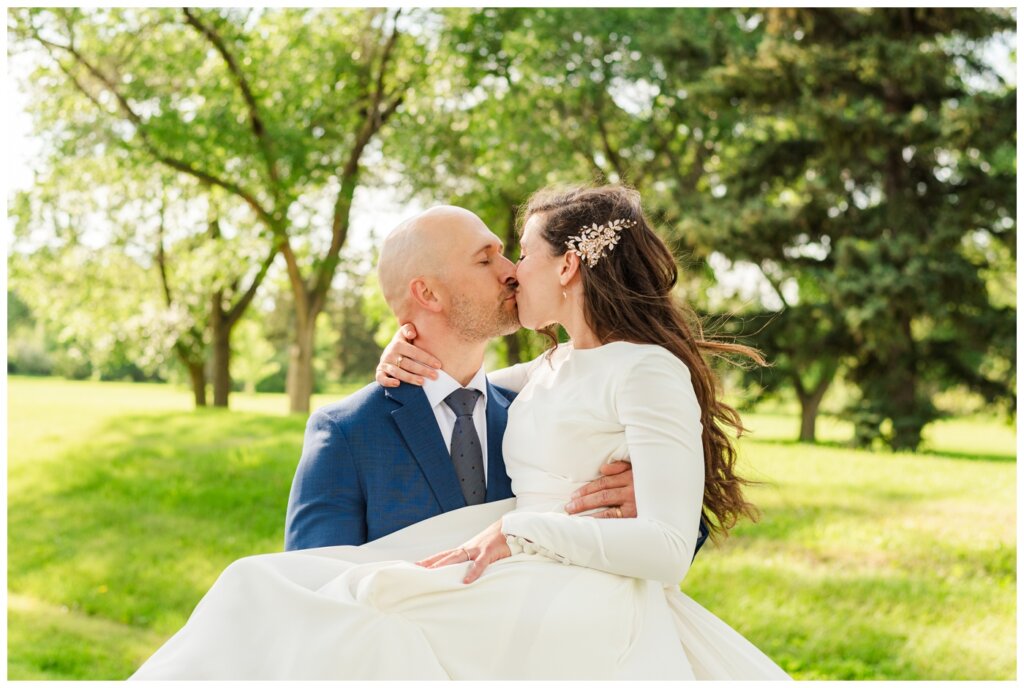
[515,377]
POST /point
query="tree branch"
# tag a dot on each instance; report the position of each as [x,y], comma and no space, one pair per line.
[239,307]
[613,155]
[777,288]
[298,284]
[161,259]
[259,130]
[374,120]
[140,127]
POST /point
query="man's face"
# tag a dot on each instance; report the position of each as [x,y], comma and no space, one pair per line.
[478,283]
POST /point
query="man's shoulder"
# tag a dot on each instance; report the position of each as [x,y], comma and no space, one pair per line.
[508,394]
[367,401]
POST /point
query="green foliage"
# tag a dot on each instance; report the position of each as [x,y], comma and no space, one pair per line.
[356,316]
[28,351]
[252,355]
[227,98]
[870,162]
[864,565]
[861,162]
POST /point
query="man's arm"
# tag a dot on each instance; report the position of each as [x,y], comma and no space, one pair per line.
[326,506]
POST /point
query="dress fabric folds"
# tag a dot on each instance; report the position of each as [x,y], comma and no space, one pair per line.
[581,598]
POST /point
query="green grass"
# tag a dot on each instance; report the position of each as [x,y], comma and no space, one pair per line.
[124,505]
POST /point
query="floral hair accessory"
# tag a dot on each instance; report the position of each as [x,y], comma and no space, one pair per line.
[597,241]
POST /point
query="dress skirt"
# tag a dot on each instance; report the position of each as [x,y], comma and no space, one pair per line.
[367,612]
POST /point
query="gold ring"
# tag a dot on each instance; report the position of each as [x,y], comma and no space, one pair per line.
[398,361]
[618,512]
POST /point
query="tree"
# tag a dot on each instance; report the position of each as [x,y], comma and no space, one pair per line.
[568,96]
[873,157]
[110,200]
[356,353]
[496,136]
[275,108]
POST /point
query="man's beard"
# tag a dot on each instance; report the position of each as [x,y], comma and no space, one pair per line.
[475,322]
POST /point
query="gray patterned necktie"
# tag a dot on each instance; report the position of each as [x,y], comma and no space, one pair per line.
[467,454]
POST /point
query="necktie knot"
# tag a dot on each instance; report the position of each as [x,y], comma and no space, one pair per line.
[462,401]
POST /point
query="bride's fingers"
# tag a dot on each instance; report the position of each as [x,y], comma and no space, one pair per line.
[411,365]
[390,375]
[477,566]
[429,561]
[408,330]
[404,362]
[413,353]
[607,513]
[452,557]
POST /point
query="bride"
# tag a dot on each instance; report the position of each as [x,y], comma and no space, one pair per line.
[519,589]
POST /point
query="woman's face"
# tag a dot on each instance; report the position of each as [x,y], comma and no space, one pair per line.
[540,291]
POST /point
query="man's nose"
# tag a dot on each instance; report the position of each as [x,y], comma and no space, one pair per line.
[508,269]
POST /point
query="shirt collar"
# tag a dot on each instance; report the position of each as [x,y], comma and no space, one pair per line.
[438,390]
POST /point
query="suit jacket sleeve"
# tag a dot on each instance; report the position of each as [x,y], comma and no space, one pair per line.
[656,404]
[327,505]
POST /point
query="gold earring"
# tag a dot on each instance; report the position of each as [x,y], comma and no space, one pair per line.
[563,295]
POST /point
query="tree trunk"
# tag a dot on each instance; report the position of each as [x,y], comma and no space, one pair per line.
[299,382]
[198,377]
[908,417]
[221,364]
[513,354]
[810,401]
[220,325]
[808,418]
[905,413]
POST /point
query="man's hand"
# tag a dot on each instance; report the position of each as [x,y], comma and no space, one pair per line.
[613,490]
[483,550]
[402,361]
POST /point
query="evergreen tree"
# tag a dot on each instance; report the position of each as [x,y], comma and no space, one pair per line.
[878,157]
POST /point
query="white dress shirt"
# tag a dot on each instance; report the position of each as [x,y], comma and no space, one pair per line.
[438,390]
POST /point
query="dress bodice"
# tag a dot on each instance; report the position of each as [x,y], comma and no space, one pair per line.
[562,427]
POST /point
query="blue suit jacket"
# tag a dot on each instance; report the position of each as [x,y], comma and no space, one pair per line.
[376,462]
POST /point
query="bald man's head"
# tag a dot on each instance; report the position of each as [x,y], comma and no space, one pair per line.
[420,247]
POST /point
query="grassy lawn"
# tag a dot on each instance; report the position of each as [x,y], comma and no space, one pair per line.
[124,505]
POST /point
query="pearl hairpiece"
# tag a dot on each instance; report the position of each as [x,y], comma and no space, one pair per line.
[596,241]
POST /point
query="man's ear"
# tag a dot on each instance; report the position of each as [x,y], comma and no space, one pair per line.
[569,267]
[423,294]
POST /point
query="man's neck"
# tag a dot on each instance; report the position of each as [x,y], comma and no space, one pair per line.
[458,358]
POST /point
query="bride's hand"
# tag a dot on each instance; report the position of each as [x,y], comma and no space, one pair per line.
[483,550]
[403,361]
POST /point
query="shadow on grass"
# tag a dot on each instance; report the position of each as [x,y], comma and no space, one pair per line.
[847,446]
[135,525]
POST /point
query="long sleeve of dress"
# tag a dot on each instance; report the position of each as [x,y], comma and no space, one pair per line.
[514,377]
[655,403]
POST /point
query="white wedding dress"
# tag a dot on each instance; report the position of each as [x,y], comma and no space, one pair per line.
[581,598]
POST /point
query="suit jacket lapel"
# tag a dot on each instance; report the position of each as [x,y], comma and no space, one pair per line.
[415,420]
[499,486]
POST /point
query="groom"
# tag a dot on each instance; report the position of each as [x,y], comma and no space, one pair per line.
[380,459]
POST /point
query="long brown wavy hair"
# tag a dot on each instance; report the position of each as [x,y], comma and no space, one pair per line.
[627,296]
